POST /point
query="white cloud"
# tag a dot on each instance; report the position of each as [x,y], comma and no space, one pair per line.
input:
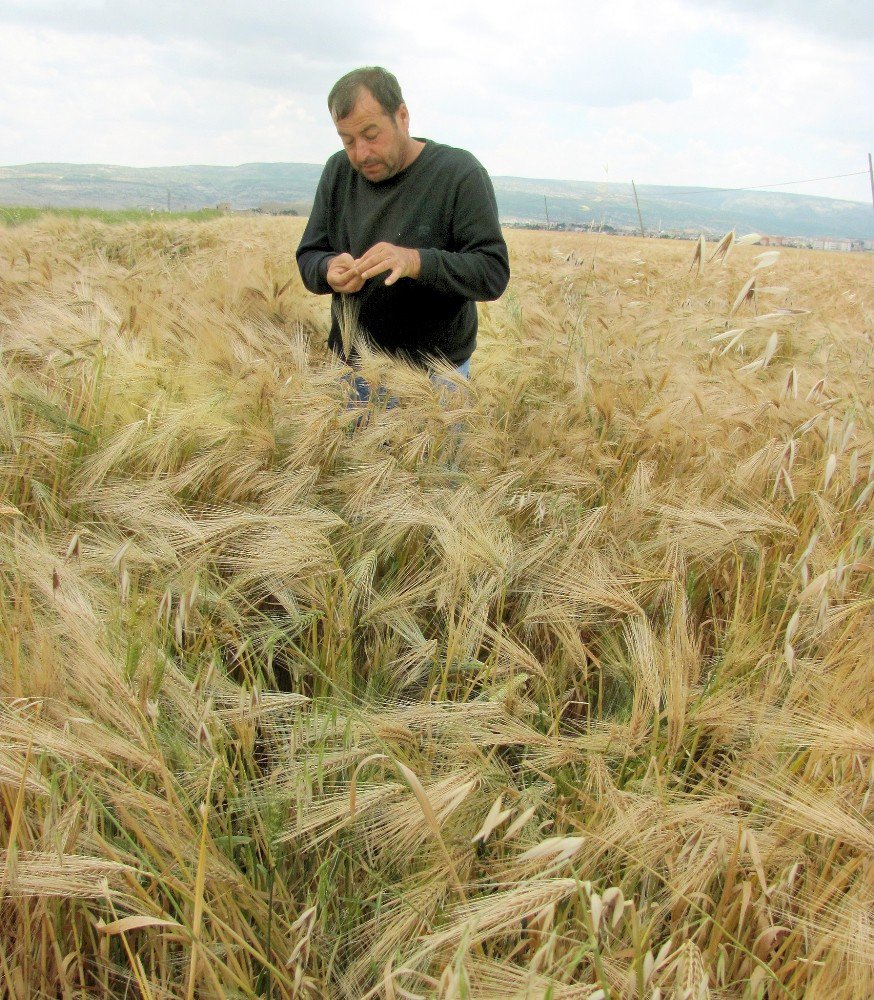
[74,98]
[848,20]
[665,91]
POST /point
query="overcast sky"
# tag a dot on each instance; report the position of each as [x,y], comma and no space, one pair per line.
[720,93]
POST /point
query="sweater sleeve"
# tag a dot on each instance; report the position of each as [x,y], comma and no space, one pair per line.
[478,266]
[314,250]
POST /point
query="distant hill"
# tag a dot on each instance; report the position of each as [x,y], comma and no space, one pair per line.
[700,209]
[94,185]
[520,199]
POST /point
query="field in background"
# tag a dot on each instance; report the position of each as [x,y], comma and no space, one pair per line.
[17,215]
[561,689]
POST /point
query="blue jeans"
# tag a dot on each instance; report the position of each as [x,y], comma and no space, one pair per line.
[361,388]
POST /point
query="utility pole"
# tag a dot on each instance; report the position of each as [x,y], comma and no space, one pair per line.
[636,202]
[546,208]
[168,199]
[871,175]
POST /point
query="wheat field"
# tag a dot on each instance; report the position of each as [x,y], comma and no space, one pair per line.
[558,687]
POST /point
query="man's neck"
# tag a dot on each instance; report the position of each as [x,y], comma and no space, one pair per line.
[414,148]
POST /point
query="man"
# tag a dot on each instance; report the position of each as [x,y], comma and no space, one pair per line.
[406,228]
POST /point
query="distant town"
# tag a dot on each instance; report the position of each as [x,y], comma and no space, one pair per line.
[801,242]
[839,245]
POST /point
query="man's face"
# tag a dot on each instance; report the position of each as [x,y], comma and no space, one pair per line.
[376,143]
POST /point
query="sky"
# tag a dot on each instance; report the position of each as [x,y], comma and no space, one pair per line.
[715,93]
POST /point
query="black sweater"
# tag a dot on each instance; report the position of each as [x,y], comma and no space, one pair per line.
[444,205]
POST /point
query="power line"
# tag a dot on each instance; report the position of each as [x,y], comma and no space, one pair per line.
[760,187]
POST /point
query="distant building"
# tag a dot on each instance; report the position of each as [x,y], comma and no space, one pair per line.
[838,245]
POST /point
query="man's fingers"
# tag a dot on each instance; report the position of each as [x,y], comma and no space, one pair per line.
[371,272]
[372,264]
[345,281]
[342,270]
[371,257]
[379,251]
[349,283]
[381,258]
[343,275]
[396,272]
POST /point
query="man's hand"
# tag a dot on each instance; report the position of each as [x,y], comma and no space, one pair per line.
[400,261]
[343,274]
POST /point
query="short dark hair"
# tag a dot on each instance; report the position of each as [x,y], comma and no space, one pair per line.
[382,85]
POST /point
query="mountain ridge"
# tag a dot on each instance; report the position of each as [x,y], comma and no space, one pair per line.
[521,200]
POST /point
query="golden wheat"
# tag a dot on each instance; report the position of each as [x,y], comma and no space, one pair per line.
[556,686]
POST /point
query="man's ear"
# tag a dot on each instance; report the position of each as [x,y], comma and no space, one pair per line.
[402,116]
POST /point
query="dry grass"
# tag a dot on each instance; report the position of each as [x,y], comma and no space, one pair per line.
[572,702]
